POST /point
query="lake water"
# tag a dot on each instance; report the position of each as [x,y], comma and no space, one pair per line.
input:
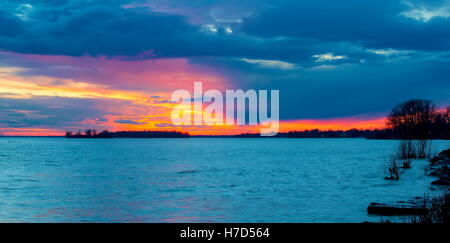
[199,180]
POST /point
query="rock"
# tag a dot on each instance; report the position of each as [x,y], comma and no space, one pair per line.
[441,182]
[439,165]
[445,153]
[444,176]
[436,159]
[399,208]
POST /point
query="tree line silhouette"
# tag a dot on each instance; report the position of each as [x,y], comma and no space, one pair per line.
[92,133]
[413,119]
[419,119]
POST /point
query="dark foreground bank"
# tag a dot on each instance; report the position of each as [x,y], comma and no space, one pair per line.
[424,209]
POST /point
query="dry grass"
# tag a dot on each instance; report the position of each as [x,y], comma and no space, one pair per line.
[408,150]
[437,213]
[423,149]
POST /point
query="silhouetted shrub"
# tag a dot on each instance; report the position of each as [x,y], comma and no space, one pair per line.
[406,152]
[392,169]
[424,149]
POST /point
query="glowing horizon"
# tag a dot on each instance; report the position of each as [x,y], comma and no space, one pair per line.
[285,126]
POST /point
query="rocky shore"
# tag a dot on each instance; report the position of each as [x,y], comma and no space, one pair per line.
[412,207]
[439,167]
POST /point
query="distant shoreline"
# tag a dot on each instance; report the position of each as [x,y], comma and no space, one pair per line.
[376,134]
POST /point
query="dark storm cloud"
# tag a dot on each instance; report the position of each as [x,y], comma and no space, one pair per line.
[107,28]
[372,23]
[99,27]
[276,30]
[91,27]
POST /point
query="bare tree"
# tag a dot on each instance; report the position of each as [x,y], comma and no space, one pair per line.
[413,119]
[88,132]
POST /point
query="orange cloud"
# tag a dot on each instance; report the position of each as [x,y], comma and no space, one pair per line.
[150,75]
[138,91]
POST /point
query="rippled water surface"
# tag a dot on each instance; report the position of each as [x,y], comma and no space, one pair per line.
[199,180]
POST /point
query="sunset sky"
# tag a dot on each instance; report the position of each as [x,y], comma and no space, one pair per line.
[105,64]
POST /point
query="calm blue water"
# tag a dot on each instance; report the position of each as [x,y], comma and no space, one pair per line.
[199,180]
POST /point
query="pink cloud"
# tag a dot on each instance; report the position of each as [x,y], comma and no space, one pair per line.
[152,75]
